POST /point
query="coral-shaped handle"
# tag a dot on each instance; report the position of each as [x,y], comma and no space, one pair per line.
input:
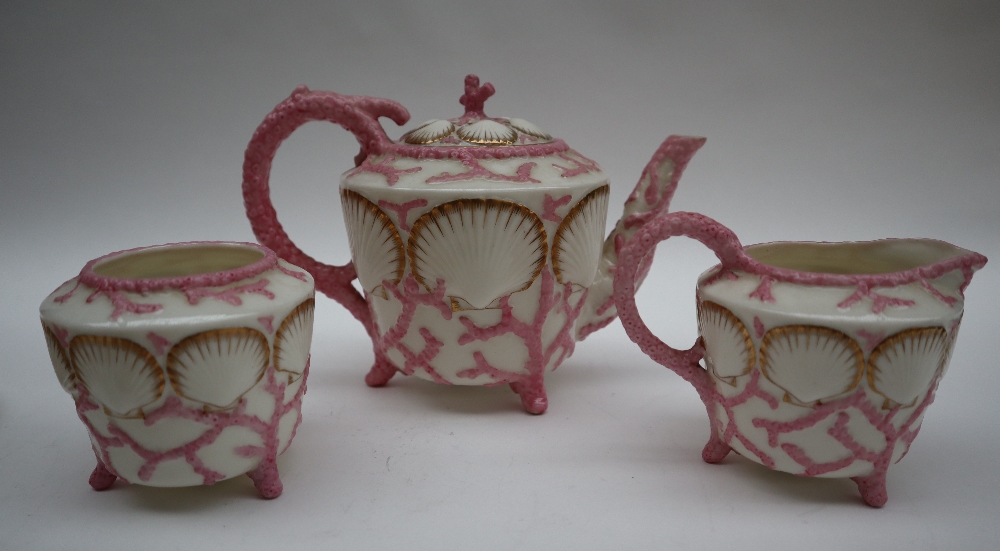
[712,234]
[357,114]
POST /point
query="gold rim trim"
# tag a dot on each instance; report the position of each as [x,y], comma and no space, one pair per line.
[458,207]
[788,331]
[918,336]
[360,201]
[602,192]
[200,341]
[306,308]
[148,361]
[707,308]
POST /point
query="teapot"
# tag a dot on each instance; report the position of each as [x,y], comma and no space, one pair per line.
[477,241]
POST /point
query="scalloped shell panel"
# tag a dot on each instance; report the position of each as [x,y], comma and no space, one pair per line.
[376,247]
[811,363]
[483,249]
[903,366]
[60,361]
[217,367]
[294,339]
[487,132]
[120,374]
[577,246]
[729,351]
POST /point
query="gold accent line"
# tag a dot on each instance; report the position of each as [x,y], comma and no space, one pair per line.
[356,200]
[459,207]
[54,344]
[788,331]
[707,308]
[602,192]
[124,346]
[916,335]
[200,340]
[309,305]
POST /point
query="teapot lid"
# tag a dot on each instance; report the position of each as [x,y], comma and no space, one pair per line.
[475,128]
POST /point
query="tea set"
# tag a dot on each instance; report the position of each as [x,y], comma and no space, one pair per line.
[478,246]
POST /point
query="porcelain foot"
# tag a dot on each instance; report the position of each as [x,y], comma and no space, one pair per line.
[101,478]
[872,488]
[532,395]
[380,373]
[715,450]
[265,478]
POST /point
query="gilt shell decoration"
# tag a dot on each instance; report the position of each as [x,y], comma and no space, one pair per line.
[376,247]
[120,374]
[576,247]
[429,132]
[729,351]
[294,339]
[487,132]
[482,249]
[217,367]
[903,367]
[60,361]
[811,363]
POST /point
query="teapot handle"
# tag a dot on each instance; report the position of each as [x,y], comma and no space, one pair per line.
[712,234]
[357,114]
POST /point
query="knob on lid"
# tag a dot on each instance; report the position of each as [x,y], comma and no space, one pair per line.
[474,127]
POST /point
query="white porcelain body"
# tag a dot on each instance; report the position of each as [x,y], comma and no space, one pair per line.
[819,359]
[190,383]
[838,372]
[504,253]
[478,242]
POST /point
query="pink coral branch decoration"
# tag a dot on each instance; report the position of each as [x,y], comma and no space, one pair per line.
[402,210]
[264,476]
[384,167]
[230,295]
[550,205]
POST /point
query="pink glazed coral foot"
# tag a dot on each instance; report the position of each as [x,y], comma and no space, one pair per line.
[532,395]
[872,488]
[101,478]
[715,450]
[265,478]
[380,373]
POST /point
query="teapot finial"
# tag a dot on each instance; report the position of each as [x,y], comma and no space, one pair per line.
[475,95]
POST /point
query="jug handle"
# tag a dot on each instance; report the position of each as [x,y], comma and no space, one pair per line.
[357,114]
[712,234]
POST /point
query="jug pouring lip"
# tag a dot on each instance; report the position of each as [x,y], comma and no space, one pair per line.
[882,262]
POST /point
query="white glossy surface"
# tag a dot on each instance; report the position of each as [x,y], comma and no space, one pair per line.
[211,352]
[825,122]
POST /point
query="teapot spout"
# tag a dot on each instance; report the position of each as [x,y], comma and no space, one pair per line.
[650,198]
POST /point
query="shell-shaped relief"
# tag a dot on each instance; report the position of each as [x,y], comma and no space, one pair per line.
[810,363]
[60,361]
[483,250]
[529,128]
[376,247]
[487,132]
[579,240]
[217,367]
[729,350]
[294,339]
[120,374]
[429,132]
[903,367]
